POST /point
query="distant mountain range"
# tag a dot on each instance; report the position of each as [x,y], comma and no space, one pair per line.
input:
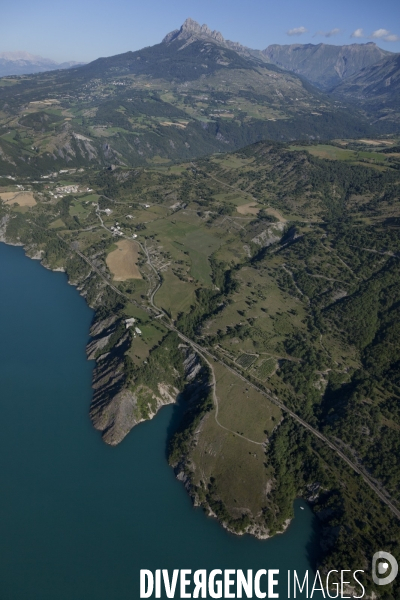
[326,66]
[193,94]
[23,63]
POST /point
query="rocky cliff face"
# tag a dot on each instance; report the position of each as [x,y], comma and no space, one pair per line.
[325,65]
[191,28]
[3,226]
[109,409]
[119,404]
[378,83]
[192,31]
[270,235]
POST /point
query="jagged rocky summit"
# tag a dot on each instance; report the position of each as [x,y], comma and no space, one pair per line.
[191,31]
[191,28]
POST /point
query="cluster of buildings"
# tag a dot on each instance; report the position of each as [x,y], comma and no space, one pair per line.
[62,172]
[67,189]
[62,191]
[116,229]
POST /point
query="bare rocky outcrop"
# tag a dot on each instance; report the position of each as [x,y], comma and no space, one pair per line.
[270,235]
[192,28]
[192,31]
[117,404]
[100,333]
[3,226]
[112,408]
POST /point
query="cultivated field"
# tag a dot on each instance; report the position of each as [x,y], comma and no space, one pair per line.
[122,262]
[21,198]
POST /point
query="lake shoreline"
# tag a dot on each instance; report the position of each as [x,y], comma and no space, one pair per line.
[111,395]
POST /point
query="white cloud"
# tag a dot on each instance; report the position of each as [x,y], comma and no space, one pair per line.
[297,31]
[385,35]
[330,33]
[392,38]
[380,33]
[358,33]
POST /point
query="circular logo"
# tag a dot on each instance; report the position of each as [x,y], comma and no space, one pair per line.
[382,563]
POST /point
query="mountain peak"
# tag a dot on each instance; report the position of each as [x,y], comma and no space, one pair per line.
[193,29]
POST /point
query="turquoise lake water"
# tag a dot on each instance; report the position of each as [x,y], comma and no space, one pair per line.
[79,519]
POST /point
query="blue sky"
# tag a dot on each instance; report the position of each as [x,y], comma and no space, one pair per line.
[86,29]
